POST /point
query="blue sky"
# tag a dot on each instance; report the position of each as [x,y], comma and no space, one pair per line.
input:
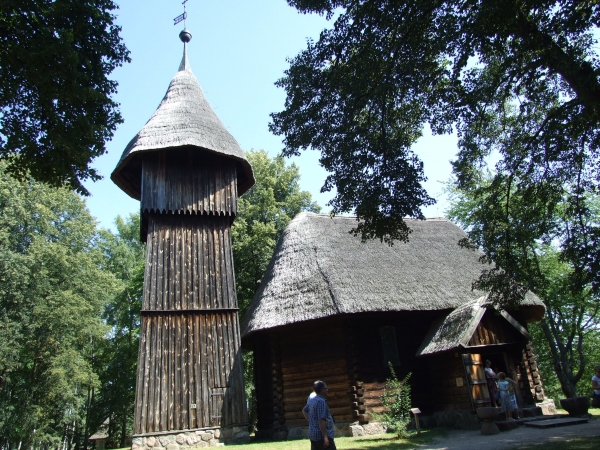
[238,50]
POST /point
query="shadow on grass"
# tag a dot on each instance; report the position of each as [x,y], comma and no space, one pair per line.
[583,443]
[389,441]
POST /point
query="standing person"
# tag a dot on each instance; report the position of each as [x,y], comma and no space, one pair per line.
[596,387]
[320,421]
[508,401]
[490,378]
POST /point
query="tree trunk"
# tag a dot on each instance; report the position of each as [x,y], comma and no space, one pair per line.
[562,368]
[124,426]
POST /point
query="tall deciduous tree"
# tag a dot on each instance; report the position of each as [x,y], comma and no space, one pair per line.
[116,363]
[56,106]
[569,330]
[518,78]
[52,291]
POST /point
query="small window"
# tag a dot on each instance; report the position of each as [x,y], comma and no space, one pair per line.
[389,346]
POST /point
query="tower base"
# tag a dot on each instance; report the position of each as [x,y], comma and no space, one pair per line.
[192,439]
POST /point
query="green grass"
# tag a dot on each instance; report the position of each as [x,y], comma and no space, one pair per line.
[391,442]
[382,441]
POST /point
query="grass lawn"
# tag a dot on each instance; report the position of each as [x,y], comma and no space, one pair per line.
[391,442]
[382,441]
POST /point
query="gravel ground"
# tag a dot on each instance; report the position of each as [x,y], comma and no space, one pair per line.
[513,439]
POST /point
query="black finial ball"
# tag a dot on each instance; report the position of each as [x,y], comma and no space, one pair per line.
[185,36]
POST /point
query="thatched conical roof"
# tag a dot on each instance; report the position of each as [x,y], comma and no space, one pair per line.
[320,270]
[184,118]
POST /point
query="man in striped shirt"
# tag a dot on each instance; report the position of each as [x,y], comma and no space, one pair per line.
[320,421]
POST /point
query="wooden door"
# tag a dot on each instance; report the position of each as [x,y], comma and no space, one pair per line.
[480,395]
[217,402]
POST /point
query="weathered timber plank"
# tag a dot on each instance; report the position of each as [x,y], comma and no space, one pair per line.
[205,371]
[139,379]
[290,415]
[185,373]
[178,267]
[155,419]
[177,374]
[190,183]
[218,260]
[164,374]
[186,273]
[172,362]
[295,382]
[171,270]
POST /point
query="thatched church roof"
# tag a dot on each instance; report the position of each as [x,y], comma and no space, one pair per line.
[320,270]
[184,118]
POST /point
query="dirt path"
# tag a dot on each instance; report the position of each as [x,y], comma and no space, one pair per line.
[513,439]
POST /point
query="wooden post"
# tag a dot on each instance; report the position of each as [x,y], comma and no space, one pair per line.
[416,412]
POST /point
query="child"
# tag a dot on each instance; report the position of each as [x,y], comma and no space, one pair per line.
[508,402]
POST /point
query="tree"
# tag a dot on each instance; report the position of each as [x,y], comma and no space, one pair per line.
[569,331]
[517,79]
[56,110]
[52,291]
[116,363]
[264,212]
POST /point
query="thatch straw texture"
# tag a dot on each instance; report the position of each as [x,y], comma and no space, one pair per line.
[456,329]
[184,118]
[319,270]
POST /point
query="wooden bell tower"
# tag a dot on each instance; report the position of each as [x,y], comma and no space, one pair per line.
[187,171]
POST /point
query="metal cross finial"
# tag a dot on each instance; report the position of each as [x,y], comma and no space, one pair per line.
[181,18]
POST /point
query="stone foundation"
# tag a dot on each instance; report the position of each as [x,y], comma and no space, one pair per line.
[352,429]
[192,439]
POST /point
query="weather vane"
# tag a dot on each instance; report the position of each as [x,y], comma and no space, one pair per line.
[181,18]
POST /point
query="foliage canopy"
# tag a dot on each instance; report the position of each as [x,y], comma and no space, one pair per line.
[56,110]
[52,291]
[516,79]
[569,330]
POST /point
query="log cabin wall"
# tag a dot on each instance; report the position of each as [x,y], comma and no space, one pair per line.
[348,351]
[189,366]
[264,385]
[370,363]
[530,379]
[448,382]
[319,354]
[345,352]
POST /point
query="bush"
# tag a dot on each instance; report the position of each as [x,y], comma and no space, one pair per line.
[396,401]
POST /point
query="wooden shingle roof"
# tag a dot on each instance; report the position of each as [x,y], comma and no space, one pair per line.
[319,270]
[184,118]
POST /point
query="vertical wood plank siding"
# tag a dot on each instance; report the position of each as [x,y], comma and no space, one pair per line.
[188,182]
[189,264]
[175,380]
[189,351]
